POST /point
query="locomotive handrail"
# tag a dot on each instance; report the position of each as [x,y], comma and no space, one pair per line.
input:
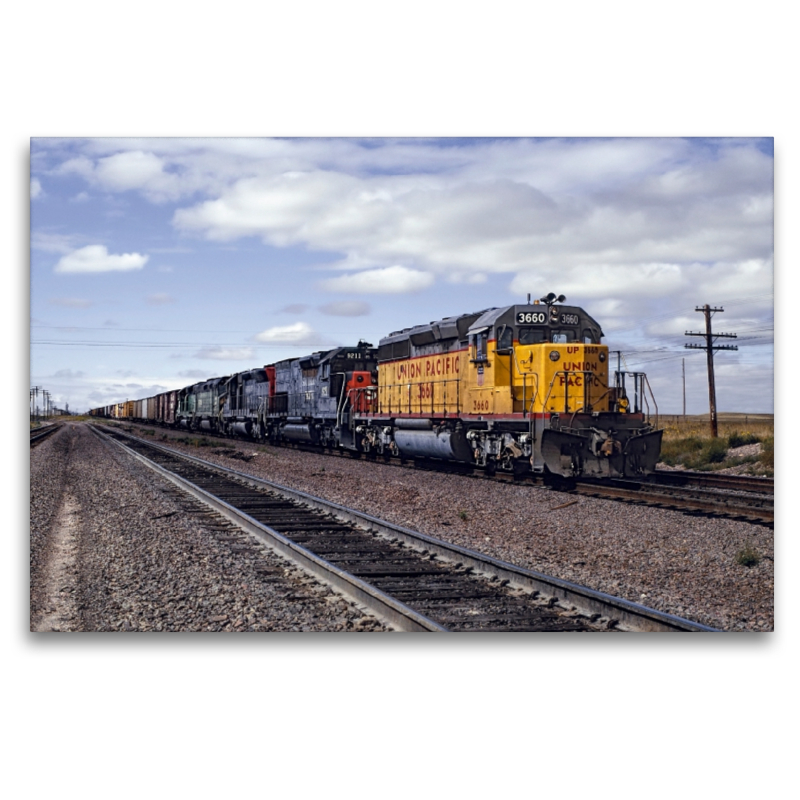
[566,373]
[365,399]
[641,386]
[410,405]
[342,399]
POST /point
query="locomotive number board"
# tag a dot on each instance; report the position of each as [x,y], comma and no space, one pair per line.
[531,317]
[540,318]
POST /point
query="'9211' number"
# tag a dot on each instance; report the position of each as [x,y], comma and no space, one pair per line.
[531,317]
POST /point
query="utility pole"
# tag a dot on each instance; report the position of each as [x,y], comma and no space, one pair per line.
[683,372]
[35,401]
[710,347]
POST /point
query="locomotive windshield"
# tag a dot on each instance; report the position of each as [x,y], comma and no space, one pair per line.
[532,335]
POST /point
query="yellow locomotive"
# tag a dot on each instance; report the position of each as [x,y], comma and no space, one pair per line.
[520,388]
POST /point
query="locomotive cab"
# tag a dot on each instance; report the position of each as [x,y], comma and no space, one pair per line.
[536,359]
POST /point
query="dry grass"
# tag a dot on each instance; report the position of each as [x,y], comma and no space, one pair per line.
[676,427]
[688,441]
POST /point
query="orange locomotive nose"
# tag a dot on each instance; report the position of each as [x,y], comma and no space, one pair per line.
[361,391]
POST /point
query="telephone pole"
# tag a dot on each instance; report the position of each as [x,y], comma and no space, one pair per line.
[683,373]
[710,347]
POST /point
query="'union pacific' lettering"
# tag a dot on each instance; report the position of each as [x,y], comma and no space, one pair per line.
[579,366]
[435,366]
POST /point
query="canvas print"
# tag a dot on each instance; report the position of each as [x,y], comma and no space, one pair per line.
[379,385]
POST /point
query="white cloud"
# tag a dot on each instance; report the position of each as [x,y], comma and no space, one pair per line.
[192,373]
[53,242]
[225,353]
[68,373]
[96,258]
[461,211]
[297,333]
[346,308]
[36,188]
[71,302]
[388,280]
[77,166]
[602,280]
[159,299]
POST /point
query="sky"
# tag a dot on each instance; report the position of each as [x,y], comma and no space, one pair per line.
[158,262]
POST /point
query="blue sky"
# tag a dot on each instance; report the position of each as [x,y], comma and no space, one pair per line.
[159,262]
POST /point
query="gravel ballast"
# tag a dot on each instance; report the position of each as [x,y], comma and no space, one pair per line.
[677,563]
[114,547]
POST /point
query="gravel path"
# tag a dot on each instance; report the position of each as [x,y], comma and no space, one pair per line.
[673,562]
[116,548]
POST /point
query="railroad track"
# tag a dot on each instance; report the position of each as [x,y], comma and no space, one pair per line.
[749,506]
[38,435]
[659,490]
[411,580]
[735,483]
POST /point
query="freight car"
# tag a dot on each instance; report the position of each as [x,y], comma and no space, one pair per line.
[524,388]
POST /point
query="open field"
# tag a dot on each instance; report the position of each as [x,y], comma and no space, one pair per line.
[687,442]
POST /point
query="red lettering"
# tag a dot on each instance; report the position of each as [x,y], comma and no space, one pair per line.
[438,367]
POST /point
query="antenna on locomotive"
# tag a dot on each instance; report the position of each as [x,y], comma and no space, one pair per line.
[529,298]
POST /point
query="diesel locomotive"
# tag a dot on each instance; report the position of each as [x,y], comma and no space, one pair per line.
[524,388]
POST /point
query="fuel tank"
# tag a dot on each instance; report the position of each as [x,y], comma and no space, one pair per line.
[447,445]
[297,433]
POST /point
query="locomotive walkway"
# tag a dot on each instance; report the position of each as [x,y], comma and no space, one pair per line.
[412,580]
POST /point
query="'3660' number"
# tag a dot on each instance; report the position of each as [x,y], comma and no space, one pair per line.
[531,318]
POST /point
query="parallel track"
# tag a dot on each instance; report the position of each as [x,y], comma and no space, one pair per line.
[38,435]
[752,508]
[414,581]
[736,483]
[677,494]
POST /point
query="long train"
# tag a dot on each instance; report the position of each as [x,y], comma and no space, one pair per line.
[524,388]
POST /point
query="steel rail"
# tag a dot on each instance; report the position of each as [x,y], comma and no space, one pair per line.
[627,614]
[387,608]
[38,435]
[757,509]
[641,492]
[743,483]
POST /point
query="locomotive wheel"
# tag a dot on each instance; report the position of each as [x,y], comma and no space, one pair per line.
[520,468]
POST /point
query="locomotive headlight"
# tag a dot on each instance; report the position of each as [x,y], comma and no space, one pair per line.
[602,357]
[554,355]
